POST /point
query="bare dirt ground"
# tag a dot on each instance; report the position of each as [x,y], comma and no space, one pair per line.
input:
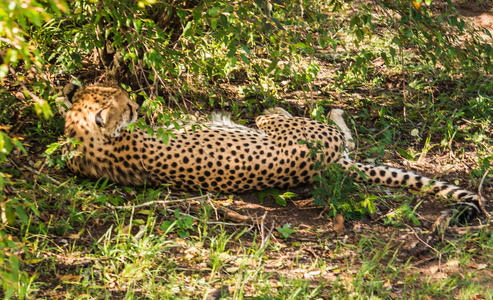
[479,14]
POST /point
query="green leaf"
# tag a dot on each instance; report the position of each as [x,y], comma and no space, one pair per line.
[116,200]
[285,231]
[278,24]
[182,233]
[137,25]
[309,38]
[232,48]
[176,125]
[392,53]
[21,213]
[43,108]
[300,45]
[383,55]
[369,203]
[244,58]
[408,33]
[214,12]
[289,195]
[138,222]
[188,221]
[246,49]
[167,225]
[232,62]
[354,21]
[405,154]
[19,145]
[322,41]
[214,24]
[10,214]
[280,200]
[261,197]
[187,31]
[150,131]
[272,65]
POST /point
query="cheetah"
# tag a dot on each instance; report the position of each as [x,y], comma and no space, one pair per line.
[221,156]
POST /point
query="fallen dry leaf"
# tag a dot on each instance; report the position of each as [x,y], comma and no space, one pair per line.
[70,277]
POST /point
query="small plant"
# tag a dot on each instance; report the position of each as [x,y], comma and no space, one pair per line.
[184,224]
[280,198]
[7,143]
[484,166]
[334,188]
[54,153]
[15,282]
[402,214]
[286,231]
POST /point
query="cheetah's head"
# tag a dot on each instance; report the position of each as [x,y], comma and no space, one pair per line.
[119,112]
[109,108]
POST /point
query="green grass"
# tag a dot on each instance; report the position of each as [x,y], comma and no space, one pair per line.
[85,249]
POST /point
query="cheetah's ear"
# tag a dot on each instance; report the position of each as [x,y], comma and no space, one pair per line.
[69,91]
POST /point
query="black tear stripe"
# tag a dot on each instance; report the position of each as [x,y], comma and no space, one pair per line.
[464,211]
[131,111]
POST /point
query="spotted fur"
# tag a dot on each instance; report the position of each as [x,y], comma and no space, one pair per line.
[220,156]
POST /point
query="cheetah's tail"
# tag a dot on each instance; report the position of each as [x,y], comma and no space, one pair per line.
[467,206]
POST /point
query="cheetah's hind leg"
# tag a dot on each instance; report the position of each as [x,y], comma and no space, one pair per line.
[277,111]
[336,116]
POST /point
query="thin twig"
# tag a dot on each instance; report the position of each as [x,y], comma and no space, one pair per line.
[201,220]
[171,211]
[356,150]
[213,206]
[427,245]
[34,171]
[480,198]
[464,230]
[150,203]
[374,135]
[265,238]
[164,202]
[262,226]
[315,255]
[269,234]
[389,213]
